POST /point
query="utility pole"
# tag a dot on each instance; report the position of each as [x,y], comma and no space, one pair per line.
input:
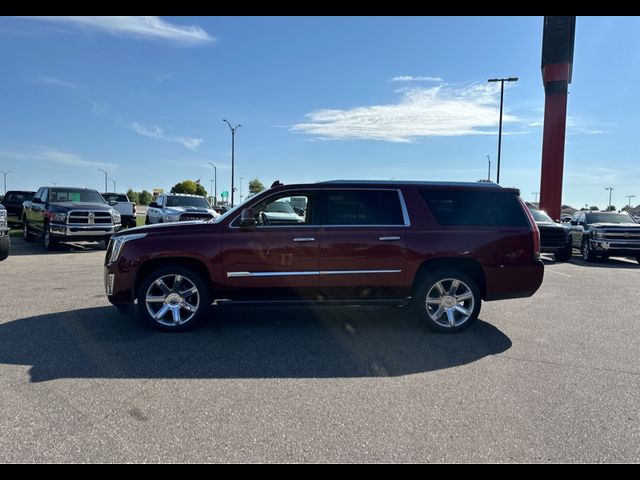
[610,191]
[5,180]
[501,80]
[215,184]
[233,149]
[105,179]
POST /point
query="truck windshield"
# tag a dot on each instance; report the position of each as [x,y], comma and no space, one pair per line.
[199,202]
[609,218]
[74,195]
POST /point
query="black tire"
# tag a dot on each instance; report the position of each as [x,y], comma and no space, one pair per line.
[146,220]
[564,255]
[588,255]
[49,241]
[5,246]
[200,300]
[638,258]
[27,236]
[438,315]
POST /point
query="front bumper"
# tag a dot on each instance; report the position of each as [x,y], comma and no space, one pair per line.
[84,231]
[621,248]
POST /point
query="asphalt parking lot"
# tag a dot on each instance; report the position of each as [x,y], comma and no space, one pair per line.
[553,378]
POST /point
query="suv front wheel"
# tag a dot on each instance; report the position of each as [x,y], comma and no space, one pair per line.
[173,298]
[448,300]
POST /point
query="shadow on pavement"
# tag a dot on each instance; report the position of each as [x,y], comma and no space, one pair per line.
[263,342]
[20,247]
[612,262]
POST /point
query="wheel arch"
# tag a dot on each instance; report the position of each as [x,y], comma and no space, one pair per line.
[470,267]
[193,264]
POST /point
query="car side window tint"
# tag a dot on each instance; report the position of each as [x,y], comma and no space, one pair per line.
[475,208]
[288,209]
[361,207]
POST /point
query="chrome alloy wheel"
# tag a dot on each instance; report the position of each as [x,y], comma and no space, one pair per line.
[450,302]
[172,300]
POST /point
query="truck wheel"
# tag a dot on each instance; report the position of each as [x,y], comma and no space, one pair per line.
[564,255]
[146,220]
[5,246]
[448,300]
[588,255]
[49,241]
[638,258]
[173,298]
[26,233]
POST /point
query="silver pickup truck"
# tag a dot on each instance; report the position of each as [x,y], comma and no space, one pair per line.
[5,242]
[126,208]
[177,207]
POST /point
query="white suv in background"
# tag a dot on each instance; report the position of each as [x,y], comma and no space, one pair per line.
[178,207]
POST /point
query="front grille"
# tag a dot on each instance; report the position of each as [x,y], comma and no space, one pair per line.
[3,218]
[84,217]
[621,235]
[185,217]
[552,237]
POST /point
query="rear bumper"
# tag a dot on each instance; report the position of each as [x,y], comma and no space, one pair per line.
[513,281]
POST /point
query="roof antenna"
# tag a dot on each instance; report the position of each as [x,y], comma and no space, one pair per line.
[277,183]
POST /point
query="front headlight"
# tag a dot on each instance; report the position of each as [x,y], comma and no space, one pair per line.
[118,244]
[172,218]
[116,216]
[598,234]
[59,217]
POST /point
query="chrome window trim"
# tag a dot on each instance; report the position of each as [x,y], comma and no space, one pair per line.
[306,273]
[403,206]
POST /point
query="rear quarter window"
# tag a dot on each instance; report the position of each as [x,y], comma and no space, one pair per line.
[475,208]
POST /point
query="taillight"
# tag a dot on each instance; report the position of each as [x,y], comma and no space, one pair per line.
[535,231]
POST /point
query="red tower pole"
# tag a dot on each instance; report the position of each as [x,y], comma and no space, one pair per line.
[557,63]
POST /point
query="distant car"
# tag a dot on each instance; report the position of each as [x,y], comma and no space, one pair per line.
[605,234]
[565,218]
[121,203]
[13,201]
[221,209]
[281,213]
[178,207]
[554,237]
[5,241]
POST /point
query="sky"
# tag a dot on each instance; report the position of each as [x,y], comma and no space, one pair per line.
[318,98]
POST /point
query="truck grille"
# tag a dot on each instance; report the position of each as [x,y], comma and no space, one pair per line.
[185,217]
[552,237]
[622,234]
[83,217]
[3,218]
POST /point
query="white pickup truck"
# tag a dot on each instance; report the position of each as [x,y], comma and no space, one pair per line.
[177,207]
[120,202]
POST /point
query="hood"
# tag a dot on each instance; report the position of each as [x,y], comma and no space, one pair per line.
[552,225]
[188,209]
[615,225]
[167,228]
[82,206]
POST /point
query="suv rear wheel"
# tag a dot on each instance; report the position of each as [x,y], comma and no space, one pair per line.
[173,298]
[448,300]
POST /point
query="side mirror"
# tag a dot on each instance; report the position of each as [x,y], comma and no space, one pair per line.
[36,200]
[247,218]
[154,205]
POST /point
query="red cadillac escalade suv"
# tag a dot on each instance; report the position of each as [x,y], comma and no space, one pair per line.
[444,247]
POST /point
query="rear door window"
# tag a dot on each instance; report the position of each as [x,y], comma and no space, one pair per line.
[475,208]
[361,207]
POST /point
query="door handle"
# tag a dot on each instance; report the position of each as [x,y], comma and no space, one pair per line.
[304,239]
[388,239]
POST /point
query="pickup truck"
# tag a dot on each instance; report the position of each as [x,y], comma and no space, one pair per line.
[605,234]
[126,208]
[13,201]
[178,207]
[5,242]
[64,214]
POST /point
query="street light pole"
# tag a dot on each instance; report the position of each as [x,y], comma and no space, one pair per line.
[233,148]
[610,191]
[114,185]
[536,195]
[489,174]
[105,179]
[241,189]
[5,180]
[215,184]
[501,80]
[629,197]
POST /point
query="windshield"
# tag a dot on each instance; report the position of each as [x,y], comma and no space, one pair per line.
[199,202]
[609,218]
[18,196]
[115,197]
[280,207]
[75,195]
[540,216]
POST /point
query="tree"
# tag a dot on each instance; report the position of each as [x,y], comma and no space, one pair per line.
[133,196]
[145,198]
[611,208]
[255,186]
[593,208]
[190,187]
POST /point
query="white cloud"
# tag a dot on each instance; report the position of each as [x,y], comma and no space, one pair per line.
[440,111]
[61,157]
[148,27]
[158,133]
[411,78]
[56,82]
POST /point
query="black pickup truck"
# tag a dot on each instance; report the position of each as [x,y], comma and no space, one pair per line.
[605,234]
[63,214]
[13,201]
[5,242]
